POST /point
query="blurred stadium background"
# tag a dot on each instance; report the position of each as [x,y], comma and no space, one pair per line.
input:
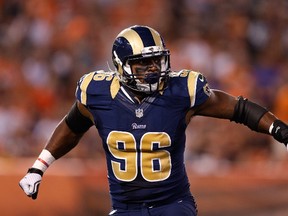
[241,46]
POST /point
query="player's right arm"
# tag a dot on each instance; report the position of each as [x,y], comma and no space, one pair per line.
[64,138]
[70,130]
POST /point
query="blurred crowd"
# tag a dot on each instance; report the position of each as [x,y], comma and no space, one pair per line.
[241,46]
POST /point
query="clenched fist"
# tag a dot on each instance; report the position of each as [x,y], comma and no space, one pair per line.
[30,182]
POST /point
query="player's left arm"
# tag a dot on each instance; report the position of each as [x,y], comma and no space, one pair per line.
[243,111]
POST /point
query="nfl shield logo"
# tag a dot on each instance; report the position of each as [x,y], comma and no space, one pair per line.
[139,113]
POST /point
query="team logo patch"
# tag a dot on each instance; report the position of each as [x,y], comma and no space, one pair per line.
[136,126]
[207,89]
[139,113]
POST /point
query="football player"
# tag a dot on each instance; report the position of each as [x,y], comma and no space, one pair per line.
[141,111]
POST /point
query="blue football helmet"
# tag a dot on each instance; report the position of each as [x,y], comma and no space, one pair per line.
[136,43]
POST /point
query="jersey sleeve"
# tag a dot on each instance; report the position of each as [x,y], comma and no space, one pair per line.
[82,87]
[97,88]
[199,90]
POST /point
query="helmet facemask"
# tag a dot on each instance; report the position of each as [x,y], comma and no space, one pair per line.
[144,81]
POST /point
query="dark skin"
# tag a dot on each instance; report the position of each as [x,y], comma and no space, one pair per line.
[218,105]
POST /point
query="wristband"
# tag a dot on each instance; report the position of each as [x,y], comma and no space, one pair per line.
[279,130]
[34,170]
[271,128]
[44,160]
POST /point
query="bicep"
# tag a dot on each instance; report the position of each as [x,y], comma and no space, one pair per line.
[84,111]
[219,105]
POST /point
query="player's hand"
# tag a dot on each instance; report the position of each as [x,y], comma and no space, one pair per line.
[280,132]
[31,182]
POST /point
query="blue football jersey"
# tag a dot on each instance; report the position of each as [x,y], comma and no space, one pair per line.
[144,142]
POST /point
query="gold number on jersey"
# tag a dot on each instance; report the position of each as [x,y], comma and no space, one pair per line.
[102,76]
[122,145]
[127,155]
[184,73]
[149,156]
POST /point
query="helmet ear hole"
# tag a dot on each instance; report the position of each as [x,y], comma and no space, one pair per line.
[116,61]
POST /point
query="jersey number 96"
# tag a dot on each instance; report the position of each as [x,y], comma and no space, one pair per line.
[154,162]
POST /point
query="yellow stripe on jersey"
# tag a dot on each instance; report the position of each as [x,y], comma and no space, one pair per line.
[114,87]
[192,82]
[84,85]
[134,39]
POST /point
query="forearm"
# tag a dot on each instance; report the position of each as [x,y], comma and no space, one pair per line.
[62,140]
[265,122]
[259,119]
[243,111]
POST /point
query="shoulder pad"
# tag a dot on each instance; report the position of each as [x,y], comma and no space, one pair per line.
[195,83]
[96,83]
[182,73]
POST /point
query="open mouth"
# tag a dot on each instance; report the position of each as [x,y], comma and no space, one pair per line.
[152,78]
